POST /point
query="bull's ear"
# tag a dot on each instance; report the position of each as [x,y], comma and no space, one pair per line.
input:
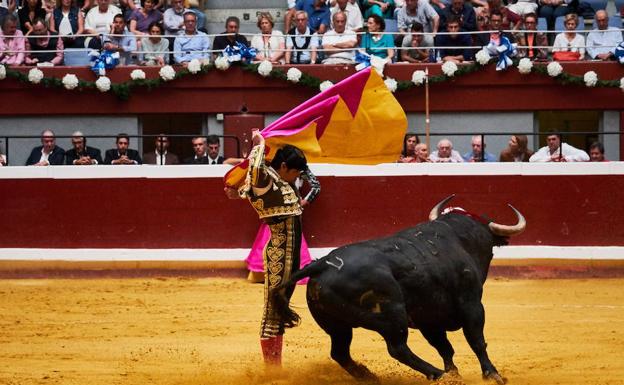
[435,211]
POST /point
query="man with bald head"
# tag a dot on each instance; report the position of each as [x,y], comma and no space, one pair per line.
[48,153]
[601,42]
[445,153]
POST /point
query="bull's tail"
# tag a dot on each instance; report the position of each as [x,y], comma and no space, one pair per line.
[288,316]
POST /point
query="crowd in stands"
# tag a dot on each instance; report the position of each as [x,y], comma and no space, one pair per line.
[206,150]
[316,31]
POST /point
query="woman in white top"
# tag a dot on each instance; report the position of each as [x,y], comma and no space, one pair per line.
[155,46]
[570,40]
[270,45]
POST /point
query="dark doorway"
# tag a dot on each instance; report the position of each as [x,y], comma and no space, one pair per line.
[570,122]
[182,124]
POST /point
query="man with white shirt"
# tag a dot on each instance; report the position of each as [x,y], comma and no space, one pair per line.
[161,155]
[355,21]
[339,42]
[419,11]
[301,42]
[445,153]
[206,151]
[48,153]
[555,151]
[99,21]
[601,42]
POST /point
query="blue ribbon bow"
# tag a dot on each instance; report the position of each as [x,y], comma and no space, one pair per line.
[363,60]
[505,51]
[102,61]
[619,53]
[239,53]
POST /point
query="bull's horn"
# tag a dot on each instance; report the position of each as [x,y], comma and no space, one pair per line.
[506,230]
[435,211]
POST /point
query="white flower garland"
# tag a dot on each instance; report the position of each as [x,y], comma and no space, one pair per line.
[167,73]
[194,66]
[483,57]
[2,72]
[326,85]
[418,77]
[622,84]
[554,69]
[525,65]
[293,75]
[137,75]
[590,78]
[222,63]
[265,68]
[70,81]
[449,68]
[35,75]
[391,84]
[103,84]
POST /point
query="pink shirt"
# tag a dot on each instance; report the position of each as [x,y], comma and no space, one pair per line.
[15,43]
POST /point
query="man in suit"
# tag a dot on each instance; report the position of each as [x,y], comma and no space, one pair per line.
[213,150]
[206,151]
[48,153]
[161,155]
[81,154]
[122,154]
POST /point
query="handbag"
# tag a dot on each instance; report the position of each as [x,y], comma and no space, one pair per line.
[566,56]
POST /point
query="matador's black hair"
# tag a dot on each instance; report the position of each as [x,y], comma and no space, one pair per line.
[292,156]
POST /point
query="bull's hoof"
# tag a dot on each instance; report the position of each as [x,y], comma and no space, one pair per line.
[450,378]
[494,376]
[435,375]
[452,369]
[361,373]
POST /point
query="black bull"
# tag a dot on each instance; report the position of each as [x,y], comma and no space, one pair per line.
[429,277]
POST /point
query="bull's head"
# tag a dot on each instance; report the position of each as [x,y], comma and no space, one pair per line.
[495,228]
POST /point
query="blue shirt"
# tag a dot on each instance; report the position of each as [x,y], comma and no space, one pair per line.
[189,47]
[316,17]
[488,157]
[127,42]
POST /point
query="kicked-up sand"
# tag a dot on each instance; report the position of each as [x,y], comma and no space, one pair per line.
[205,331]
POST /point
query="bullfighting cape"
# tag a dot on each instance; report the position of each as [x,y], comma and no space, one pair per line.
[356,121]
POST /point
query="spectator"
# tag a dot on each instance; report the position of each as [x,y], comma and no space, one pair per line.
[68,21]
[99,21]
[193,44]
[12,42]
[422,153]
[45,46]
[555,151]
[355,22]
[381,8]
[173,19]
[376,43]
[529,38]
[142,18]
[221,42]
[601,42]
[418,11]
[82,154]
[318,14]
[200,148]
[445,153]
[416,49]
[7,8]
[552,9]
[453,39]
[596,152]
[478,152]
[496,20]
[339,42]
[213,150]
[301,43]
[121,40]
[193,5]
[523,7]
[122,154]
[161,155]
[516,150]
[290,14]
[461,11]
[270,43]
[155,47]
[3,160]
[508,20]
[408,155]
[570,41]
[31,10]
[48,153]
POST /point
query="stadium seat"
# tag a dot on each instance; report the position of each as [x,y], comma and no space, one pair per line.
[560,24]
[76,57]
[542,25]
[391,25]
[597,5]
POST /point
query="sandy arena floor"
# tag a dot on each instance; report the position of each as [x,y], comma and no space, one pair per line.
[205,331]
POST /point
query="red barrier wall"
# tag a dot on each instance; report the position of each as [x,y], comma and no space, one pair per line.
[566,210]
